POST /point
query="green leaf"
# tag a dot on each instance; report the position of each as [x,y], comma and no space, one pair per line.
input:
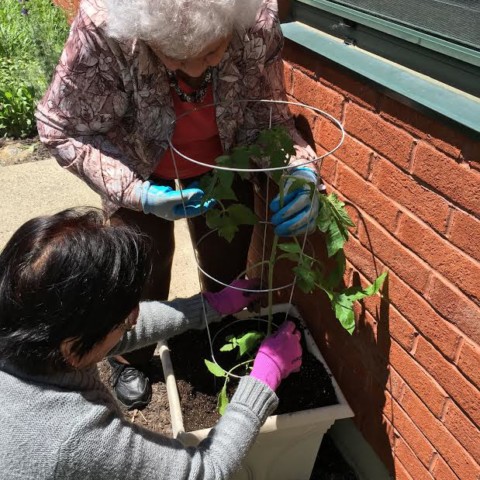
[242,215]
[228,347]
[223,191]
[222,400]
[336,275]
[339,208]
[325,215]
[343,302]
[290,247]
[240,158]
[345,315]
[227,231]
[305,278]
[337,233]
[214,218]
[358,293]
[224,161]
[215,369]
[248,342]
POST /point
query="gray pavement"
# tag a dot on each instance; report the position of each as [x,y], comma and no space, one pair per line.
[43,187]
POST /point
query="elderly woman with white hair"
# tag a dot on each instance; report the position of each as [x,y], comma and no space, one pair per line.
[129,69]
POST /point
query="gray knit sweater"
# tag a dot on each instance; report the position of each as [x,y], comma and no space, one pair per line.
[69,426]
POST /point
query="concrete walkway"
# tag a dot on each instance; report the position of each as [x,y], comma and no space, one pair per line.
[39,188]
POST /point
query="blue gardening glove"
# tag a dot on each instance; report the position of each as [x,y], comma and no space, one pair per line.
[295,218]
[167,203]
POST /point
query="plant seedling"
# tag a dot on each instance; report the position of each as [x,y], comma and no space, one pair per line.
[274,148]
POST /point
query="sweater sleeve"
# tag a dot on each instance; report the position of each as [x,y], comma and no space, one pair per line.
[162,320]
[105,447]
[80,113]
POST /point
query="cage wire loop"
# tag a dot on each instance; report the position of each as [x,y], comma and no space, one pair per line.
[174,150]
[256,170]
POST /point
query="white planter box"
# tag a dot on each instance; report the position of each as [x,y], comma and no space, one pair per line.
[287,445]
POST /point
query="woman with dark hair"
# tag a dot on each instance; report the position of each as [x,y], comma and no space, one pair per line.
[70,286]
[136,73]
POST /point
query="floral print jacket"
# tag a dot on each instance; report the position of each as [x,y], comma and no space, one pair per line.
[108,112]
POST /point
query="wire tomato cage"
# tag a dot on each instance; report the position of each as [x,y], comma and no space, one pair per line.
[317,160]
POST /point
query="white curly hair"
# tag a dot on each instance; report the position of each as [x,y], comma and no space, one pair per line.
[180,28]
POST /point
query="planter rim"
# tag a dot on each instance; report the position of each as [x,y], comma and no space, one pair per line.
[286,420]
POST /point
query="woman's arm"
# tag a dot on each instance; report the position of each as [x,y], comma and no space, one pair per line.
[82,109]
[104,447]
[269,84]
[161,320]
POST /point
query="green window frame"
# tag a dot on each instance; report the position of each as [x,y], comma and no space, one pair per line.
[454,63]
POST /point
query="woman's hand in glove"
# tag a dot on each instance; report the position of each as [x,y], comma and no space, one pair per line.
[295,217]
[278,356]
[172,204]
[234,298]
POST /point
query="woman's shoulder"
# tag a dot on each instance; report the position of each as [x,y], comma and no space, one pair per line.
[267,16]
[95,10]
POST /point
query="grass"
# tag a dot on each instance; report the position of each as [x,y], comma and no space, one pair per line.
[32,35]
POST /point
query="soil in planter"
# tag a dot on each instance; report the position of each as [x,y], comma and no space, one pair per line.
[310,388]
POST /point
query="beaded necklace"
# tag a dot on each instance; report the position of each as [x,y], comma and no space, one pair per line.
[198,95]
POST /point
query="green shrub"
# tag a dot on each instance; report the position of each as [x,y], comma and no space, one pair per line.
[17,102]
[32,35]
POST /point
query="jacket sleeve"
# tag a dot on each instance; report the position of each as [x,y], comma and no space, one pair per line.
[268,83]
[102,446]
[81,112]
[162,320]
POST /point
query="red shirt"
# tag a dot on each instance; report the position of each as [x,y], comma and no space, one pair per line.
[195,135]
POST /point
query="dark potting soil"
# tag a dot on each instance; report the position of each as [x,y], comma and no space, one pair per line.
[198,388]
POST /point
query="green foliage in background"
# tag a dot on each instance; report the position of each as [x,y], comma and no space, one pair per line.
[32,35]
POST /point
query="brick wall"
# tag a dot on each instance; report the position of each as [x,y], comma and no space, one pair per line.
[411,371]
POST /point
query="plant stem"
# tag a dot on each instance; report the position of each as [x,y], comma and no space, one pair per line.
[271,265]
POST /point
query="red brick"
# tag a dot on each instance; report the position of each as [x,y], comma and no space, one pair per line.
[457,182]
[462,429]
[381,136]
[465,233]
[444,137]
[438,252]
[373,344]
[405,190]
[441,471]
[412,436]
[418,379]
[364,195]
[326,133]
[406,265]
[328,170]
[354,215]
[412,464]
[449,378]
[402,330]
[288,77]
[352,88]
[395,385]
[453,305]
[301,58]
[410,305]
[422,316]
[361,258]
[400,471]
[441,439]
[355,155]
[469,363]
[312,92]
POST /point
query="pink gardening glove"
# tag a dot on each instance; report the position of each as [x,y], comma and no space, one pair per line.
[229,300]
[278,356]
